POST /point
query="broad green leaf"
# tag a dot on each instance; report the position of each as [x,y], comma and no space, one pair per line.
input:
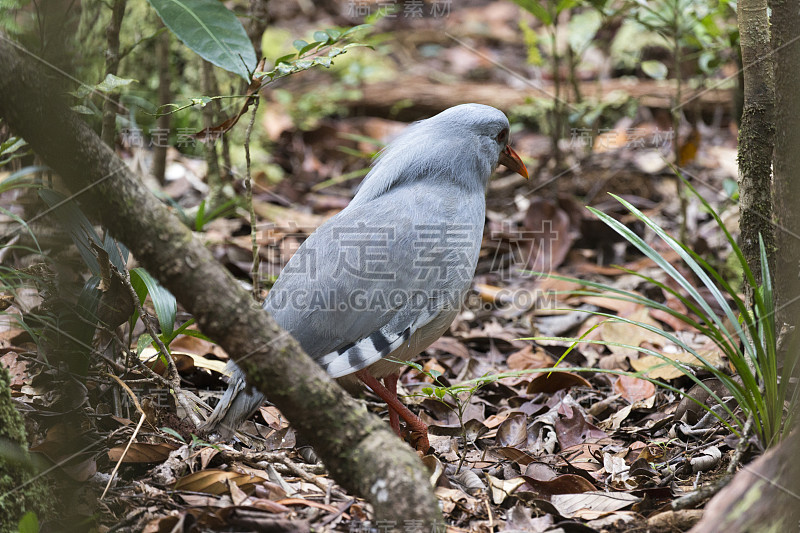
[29,523]
[212,31]
[82,110]
[285,68]
[112,83]
[299,44]
[11,145]
[163,301]
[310,46]
[324,61]
[202,101]
[143,342]
[565,4]
[536,9]
[285,59]
[582,29]
[321,36]
[655,69]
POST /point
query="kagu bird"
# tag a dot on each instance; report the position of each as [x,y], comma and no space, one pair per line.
[383,279]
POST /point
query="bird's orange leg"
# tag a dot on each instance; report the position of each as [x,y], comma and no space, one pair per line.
[391,385]
[413,422]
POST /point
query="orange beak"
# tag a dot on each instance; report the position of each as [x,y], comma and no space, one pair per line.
[512,161]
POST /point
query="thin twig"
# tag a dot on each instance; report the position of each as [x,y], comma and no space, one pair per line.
[695,498]
[248,187]
[142,418]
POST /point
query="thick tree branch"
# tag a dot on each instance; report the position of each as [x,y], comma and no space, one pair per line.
[360,451]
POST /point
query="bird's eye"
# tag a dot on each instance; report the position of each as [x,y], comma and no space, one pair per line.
[502,137]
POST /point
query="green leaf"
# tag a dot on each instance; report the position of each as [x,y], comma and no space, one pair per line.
[427,390]
[24,224]
[731,188]
[20,180]
[336,35]
[29,523]
[183,330]
[299,44]
[163,301]
[285,68]
[143,342]
[565,4]
[285,59]
[655,69]
[212,31]
[75,222]
[194,333]
[112,83]
[582,29]
[170,431]
[536,9]
[412,364]
[11,145]
[202,101]
[304,64]
[324,61]
[440,392]
[310,46]
[348,46]
[321,36]
[82,110]
[199,219]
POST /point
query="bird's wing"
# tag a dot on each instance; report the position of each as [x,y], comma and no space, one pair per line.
[366,280]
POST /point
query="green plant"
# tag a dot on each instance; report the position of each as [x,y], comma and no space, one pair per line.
[166,309]
[748,340]
[197,442]
[547,12]
[455,397]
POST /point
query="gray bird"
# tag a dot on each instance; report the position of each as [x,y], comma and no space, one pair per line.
[383,279]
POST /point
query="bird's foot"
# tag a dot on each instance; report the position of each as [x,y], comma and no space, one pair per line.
[415,426]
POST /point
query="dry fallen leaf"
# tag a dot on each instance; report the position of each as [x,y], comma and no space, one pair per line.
[142,452]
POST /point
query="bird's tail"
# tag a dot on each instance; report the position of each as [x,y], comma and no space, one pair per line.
[236,405]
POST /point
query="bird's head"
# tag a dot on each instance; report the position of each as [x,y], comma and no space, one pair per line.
[463,144]
[489,131]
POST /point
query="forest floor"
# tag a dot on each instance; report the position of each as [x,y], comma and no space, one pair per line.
[517,450]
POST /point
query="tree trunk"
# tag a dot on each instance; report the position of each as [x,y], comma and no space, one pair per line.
[164,98]
[359,450]
[112,66]
[20,491]
[785,23]
[756,137]
[763,496]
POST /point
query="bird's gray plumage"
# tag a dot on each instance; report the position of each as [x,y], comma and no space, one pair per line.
[386,276]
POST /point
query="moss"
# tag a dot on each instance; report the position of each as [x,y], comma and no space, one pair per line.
[19,493]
